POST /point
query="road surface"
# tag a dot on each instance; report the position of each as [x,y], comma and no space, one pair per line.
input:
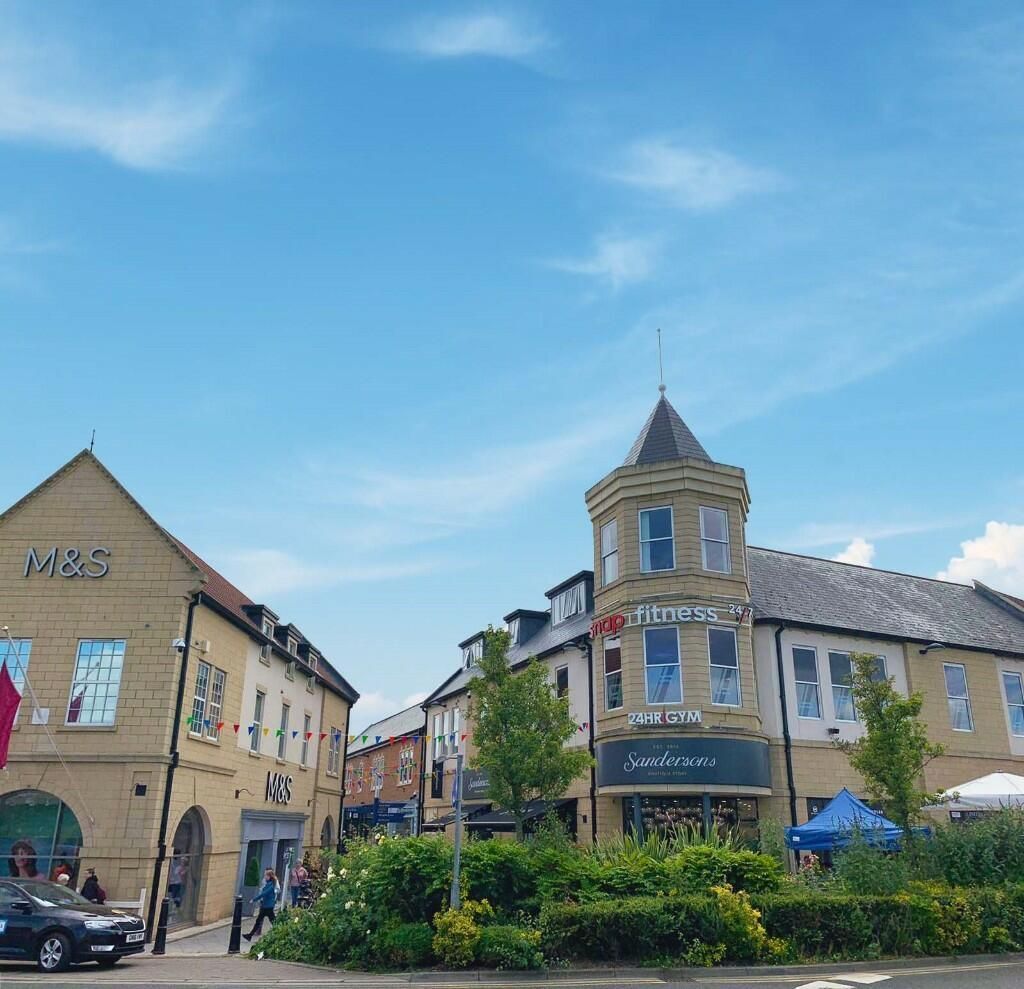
[195,972]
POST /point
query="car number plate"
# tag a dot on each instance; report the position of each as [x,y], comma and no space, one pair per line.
[130,938]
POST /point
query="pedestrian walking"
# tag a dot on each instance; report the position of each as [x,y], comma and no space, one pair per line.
[266,897]
[91,888]
[298,882]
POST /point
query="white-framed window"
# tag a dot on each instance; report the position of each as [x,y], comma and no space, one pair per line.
[307,722]
[334,756]
[282,739]
[724,663]
[377,774]
[289,671]
[609,551]
[360,773]
[405,764]
[805,673]
[661,665]
[960,717]
[714,540]
[454,740]
[349,780]
[293,646]
[438,738]
[512,627]
[473,653]
[310,684]
[257,721]
[657,544]
[1014,690]
[840,671]
[16,660]
[565,604]
[562,681]
[266,648]
[96,682]
[207,701]
[612,674]
[446,742]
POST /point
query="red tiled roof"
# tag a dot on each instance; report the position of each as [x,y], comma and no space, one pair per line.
[217,585]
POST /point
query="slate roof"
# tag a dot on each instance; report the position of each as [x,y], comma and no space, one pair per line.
[811,591]
[664,437]
[411,721]
[545,641]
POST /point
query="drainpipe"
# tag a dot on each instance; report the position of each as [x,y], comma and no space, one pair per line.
[422,774]
[593,767]
[786,737]
[341,780]
[165,813]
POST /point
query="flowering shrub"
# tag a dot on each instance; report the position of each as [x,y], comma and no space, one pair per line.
[458,932]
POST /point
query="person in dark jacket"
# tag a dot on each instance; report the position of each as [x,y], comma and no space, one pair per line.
[266,897]
[91,888]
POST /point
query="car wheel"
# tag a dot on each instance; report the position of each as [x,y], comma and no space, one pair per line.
[54,953]
[107,962]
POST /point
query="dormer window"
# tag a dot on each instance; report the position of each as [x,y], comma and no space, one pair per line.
[472,653]
[265,648]
[572,601]
[293,646]
[512,627]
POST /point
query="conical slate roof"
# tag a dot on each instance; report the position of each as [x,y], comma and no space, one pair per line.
[664,437]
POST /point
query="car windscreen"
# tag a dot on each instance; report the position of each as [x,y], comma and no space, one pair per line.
[52,895]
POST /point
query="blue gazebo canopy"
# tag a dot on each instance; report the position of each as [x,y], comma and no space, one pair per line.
[833,826]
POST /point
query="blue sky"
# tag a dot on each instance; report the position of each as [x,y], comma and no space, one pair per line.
[360,298]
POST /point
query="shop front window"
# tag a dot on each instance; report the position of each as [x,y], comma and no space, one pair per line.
[39,836]
[665,816]
[735,815]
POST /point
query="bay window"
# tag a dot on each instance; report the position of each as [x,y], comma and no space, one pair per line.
[657,544]
[723,658]
[609,552]
[612,674]
[714,540]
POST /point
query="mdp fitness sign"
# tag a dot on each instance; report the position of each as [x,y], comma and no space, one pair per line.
[692,761]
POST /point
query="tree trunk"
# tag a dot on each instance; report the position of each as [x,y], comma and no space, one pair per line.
[520,828]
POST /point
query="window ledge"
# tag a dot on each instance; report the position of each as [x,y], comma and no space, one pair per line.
[255,755]
[87,728]
[280,761]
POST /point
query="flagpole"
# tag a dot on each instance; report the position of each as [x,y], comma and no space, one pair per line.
[46,728]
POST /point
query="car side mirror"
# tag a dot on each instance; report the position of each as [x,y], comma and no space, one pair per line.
[22,906]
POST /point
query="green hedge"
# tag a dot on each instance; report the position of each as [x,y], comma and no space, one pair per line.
[814,925]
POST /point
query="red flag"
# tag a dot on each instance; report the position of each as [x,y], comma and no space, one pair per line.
[323,735]
[236,727]
[9,701]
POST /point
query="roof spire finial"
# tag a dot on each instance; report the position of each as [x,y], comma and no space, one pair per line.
[661,370]
[92,440]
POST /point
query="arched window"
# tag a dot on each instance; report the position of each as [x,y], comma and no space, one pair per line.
[327,833]
[39,836]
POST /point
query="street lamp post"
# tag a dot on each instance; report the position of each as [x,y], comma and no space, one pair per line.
[457,794]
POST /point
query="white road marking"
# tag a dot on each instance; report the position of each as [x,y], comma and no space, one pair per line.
[865,980]
[823,985]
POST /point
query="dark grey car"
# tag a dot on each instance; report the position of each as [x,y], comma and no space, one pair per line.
[54,926]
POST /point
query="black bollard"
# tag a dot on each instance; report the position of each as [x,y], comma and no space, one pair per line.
[160,943]
[235,941]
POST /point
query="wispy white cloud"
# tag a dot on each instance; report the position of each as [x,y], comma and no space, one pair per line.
[813,535]
[860,551]
[15,241]
[264,572]
[467,492]
[52,94]
[616,260]
[688,178]
[483,34]
[996,558]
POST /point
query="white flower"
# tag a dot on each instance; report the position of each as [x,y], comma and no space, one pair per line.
[323,896]
[364,873]
[259,957]
[350,904]
[367,933]
[343,873]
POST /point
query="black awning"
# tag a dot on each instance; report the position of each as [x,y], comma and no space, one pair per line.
[502,820]
[468,813]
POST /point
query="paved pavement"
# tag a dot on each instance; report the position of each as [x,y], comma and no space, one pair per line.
[196,972]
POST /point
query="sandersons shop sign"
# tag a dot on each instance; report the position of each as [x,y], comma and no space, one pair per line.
[694,761]
[659,614]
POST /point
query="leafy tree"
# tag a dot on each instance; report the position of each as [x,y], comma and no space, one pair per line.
[520,728]
[892,753]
